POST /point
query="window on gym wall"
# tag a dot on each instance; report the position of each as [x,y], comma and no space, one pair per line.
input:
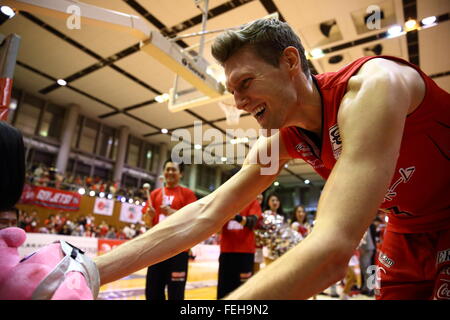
[52,121]
[129,181]
[134,146]
[76,134]
[42,157]
[147,157]
[88,135]
[82,169]
[102,173]
[28,114]
[206,177]
[106,142]
[186,175]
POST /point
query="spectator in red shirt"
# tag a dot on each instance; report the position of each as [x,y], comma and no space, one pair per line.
[164,202]
[103,229]
[237,249]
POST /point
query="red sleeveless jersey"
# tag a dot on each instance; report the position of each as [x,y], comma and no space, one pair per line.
[176,198]
[418,198]
[237,238]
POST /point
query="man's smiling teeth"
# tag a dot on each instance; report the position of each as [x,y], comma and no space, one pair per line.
[258,110]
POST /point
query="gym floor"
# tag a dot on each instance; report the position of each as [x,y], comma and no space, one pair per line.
[201,285]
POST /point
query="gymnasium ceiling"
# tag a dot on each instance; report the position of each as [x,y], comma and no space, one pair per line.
[117,84]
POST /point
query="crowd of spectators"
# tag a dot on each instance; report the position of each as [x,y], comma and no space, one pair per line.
[41,175]
[83,226]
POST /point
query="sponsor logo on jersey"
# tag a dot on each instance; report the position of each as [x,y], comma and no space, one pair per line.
[335,139]
[405,176]
[443,292]
[302,147]
[308,156]
[234,225]
[443,256]
[385,260]
[168,200]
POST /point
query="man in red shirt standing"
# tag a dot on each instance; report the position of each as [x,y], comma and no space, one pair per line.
[237,249]
[164,202]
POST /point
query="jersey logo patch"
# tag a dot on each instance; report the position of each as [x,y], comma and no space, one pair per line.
[396,210]
[405,176]
[234,225]
[167,200]
[302,147]
[335,139]
[385,260]
[443,256]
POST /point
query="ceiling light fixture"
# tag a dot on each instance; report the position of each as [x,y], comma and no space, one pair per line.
[61,82]
[335,59]
[6,13]
[316,53]
[376,49]
[429,21]
[162,98]
[410,25]
[325,27]
[394,31]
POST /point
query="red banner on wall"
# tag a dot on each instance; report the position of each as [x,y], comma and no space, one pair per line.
[51,198]
[106,245]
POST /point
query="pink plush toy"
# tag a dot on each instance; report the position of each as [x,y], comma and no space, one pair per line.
[57,271]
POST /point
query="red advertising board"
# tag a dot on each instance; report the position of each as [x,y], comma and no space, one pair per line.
[105,245]
[51,198]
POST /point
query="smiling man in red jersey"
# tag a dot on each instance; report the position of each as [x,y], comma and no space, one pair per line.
[377,130]
[170,273]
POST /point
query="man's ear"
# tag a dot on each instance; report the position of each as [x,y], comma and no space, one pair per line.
[291,58]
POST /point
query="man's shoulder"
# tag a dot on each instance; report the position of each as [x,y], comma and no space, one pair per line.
[358,66]
[155,191]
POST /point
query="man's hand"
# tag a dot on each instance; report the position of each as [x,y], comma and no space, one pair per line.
[241,219]
[148,216]
[167,210]
[150,212]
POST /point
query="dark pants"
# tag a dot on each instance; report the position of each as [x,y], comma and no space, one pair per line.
[171,273]
[234,269]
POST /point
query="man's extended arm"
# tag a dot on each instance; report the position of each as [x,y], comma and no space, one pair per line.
[371,121]
[188,226]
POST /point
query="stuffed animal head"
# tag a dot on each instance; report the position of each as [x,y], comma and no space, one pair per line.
[57,271]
